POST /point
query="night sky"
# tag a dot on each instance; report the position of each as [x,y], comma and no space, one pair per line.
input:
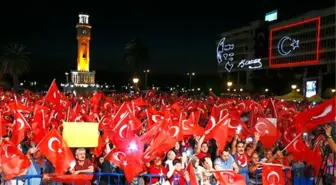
[180,35]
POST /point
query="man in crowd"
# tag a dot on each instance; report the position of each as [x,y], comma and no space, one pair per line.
[226,162]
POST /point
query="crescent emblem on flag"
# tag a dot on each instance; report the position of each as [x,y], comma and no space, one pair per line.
[324,113]
[294,145]
[257,126]
[50,142]
[286,136]
[213,123]
[21,122]
[116,156]
[78,118]
[156,117]
[121,130]
[147,155]
[233,127]
[123,115]
[183,126]
[177,130]
[106,104]
[5,148]
[273,173]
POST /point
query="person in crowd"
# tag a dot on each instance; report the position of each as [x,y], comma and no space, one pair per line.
[170,158]
[105,166]
[255,178]
[330,139]
[226,161]
[202,149]
[178,149]
[83,164]
[268,156]
[177,175]
[199,170]
[242,152]
[279,158]
[39,165]
[208,177]
[156,168]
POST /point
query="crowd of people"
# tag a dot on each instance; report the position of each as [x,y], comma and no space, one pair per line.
[175,138]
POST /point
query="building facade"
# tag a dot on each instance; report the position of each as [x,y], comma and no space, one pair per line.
[299,44]
[243,50]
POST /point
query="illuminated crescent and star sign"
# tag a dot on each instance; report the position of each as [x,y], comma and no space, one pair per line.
[293,44]
[226,54]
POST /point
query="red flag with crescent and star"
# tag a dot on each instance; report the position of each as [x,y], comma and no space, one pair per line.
[56,150]
[13,161]
[273,174]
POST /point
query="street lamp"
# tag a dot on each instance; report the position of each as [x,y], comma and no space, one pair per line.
[333,90]
[266,90]
[190,77]
[241,90]
[297,90]
[294,86]
[136,81]
[146,71]
[229,84]
[66,76]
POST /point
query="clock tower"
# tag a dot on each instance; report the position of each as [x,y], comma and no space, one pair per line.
[83,77]
[83,38]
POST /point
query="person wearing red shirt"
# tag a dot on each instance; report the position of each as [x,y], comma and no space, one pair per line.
[177,175]
[202,149]
[156,168]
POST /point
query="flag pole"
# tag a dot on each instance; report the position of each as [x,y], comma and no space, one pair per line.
[297,137]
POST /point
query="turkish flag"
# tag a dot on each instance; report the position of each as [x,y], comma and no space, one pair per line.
[220,132]
[273,174]
[268,132]
[53,95]
[321,114]
[56,150]
[13,161]
[192,175]
[20,128]
[229,177]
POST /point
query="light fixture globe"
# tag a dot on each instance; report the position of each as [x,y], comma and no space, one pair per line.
[135,80]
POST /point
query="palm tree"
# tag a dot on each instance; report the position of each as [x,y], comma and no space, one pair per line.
[135,53]
[15,62]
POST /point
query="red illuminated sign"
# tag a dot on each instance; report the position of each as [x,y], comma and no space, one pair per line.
[295,44]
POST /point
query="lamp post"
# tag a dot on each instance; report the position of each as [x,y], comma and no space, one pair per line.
[190,77]
[293,86]
[146,72]
[229,84]
[136,81]
[66,77]
[333,90]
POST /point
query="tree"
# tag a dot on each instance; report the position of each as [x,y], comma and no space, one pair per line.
[135,53]
[15,62]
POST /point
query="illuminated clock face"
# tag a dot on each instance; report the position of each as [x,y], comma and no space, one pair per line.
[84,32]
